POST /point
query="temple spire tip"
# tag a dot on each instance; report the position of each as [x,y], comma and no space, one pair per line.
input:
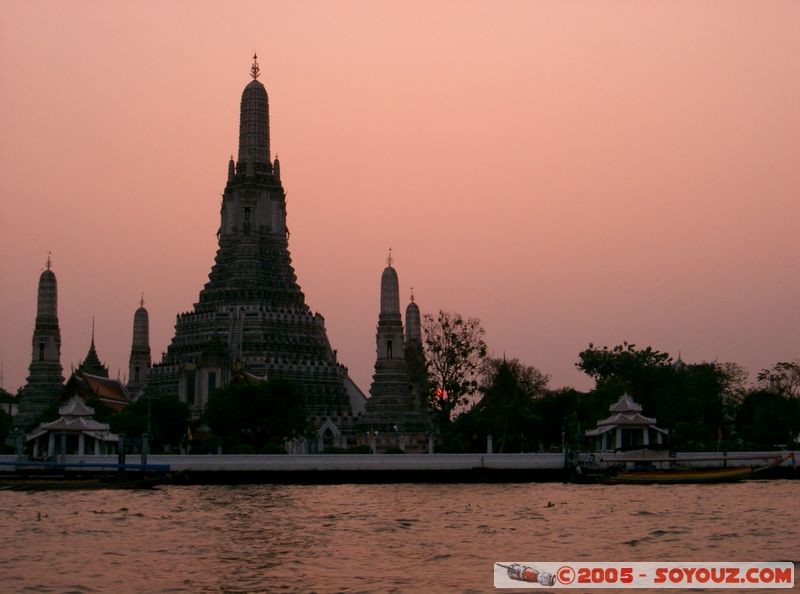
[254,69]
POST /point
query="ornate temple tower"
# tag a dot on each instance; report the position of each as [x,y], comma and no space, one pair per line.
[393,415]
[45,379]
[390,386]
[139,361]
[415,355]
[251,314]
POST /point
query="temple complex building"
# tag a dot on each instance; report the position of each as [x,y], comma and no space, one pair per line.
[251,323]
[45,378]
[251,314]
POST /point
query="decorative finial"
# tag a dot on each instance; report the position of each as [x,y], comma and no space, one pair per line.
[254,69]
[48,260]
[389,259]
[141,301]
[412,294]
[92,330]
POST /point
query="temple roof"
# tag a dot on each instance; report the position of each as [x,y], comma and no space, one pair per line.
[111,392]
[627,413]
[627,419]
[625,404]
[75,424]
[76,407]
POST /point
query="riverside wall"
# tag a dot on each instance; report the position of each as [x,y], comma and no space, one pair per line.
[398,468]
[348,468]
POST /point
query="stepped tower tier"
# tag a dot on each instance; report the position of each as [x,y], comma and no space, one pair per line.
[45,379]
[252,314]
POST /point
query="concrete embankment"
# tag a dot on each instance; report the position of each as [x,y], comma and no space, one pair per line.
[352,468]
[403,468]
[365,468]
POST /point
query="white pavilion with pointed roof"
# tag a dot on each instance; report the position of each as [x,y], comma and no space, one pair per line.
[626,428]
[77,430]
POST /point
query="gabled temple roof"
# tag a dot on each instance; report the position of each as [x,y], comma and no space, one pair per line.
[111,392]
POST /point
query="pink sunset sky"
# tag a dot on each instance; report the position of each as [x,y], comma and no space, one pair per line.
[568,172]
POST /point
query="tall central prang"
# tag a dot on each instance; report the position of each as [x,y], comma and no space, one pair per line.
[251,318]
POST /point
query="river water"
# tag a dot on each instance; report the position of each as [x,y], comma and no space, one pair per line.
[422,538]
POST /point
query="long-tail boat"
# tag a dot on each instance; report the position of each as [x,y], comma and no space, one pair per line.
[671,476]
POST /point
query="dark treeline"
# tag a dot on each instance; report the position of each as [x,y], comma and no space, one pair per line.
[705,406]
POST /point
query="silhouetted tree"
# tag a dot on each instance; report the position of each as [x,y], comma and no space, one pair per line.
[6,424]
[258,414]
[169,418]
[454,353]
[782,378]
[693,401]
[6,396]
[564,414]
[506,409]
[528,379]
[623,362]
[767,419]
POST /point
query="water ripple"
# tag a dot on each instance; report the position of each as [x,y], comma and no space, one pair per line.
[362,539]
